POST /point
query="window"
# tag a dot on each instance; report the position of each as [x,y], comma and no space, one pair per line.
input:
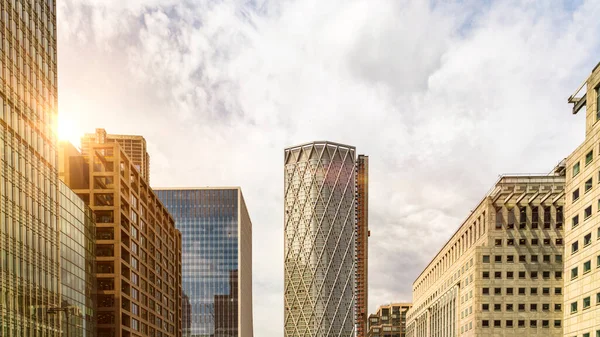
[486,291]
[522,258]
[497,291]
[557,323]
[545,323]
[485,323]
[573,307]
[510,258]
[535,242]
[486,259]
[521,292]
[598,299]
[534,258]
[498,242]
[521,274]
[598,261]
[533,323]
[587,239]
[485,307]
[575,221]
[498,258]
[509,291]
[558,258]
[557,291]
[509,307]
[497,307]
[546,258]
[534,274]
[558,274]
[574,273]
[498,275]
[486,274]
[522,242]
[588,185]
[575,195]
[497,323]
[574,247]
[557,307]
[546,242]
[521,323]
[510,242]
[587,212]
[586,303]
[546,307]
[509,323]
[545,291]
[533,307]
[576,169]
[522,217]
[587,266]
[509,274]
[533,291]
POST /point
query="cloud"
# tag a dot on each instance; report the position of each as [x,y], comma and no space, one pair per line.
[443,97]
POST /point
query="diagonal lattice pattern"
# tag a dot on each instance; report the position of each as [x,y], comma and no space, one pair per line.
[319,240]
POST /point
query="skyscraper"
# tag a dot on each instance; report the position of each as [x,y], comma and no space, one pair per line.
[134,146]
[319,242]
[29,247]
[138,248]
[362,244]
[389,320]
[582,213]
[217,259]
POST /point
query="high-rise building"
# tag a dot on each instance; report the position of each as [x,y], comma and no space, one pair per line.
[389,320]
[362,244]
[319,242]
[217,258]
[501,273]
[138,248]
[77,265]
[29,233]
[134,146]
[582,207]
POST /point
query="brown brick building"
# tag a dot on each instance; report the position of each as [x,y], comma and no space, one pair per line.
[138,247]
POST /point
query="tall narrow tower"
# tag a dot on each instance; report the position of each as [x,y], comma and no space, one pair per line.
[320,233]
[362,244]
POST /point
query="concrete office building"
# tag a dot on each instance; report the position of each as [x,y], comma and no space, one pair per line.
[77,265]
[216,259]
[501,273]
[134,146]
[29,233]
[582,207]
[319,240]
[389,320]
[138,248]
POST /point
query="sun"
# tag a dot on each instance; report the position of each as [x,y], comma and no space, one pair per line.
[68,130]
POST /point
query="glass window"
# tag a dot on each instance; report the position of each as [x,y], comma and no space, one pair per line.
[574,247]
[586,302]
[574,273]
[576,169]
[575,221]
[575,195]
[573,307]
[589,157]
[587,266]
[587,239]
[588,185]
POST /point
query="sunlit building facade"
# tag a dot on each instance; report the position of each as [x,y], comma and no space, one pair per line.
[319,240]
[138,248]
[582,214]
[216,259]
[78,260]
[362,245]
[501,273]
[29,232]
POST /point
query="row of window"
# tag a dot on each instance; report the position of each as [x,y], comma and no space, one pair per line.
[587,267]
[520,323]
[520,291]
[521,274]
[522,258]
[587,303]
[523,242]
[587,334]
[520,307]
[587,213]
[587,240]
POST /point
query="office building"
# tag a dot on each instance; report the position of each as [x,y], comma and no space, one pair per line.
[362,244]
[216,258]
[138,248]
[582,207]
[389,320]
[77,265]
[29,233]
[134,146]
[319,239]
[501,273]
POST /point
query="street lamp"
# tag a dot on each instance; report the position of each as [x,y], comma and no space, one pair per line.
[66,308]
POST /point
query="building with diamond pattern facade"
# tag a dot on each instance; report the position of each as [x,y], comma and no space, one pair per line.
[320,233]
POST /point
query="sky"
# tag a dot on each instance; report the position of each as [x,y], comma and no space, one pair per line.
[442,95]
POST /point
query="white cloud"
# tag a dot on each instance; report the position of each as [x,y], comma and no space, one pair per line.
[442,97]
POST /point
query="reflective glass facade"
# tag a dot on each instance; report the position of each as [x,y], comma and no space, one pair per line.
[216,260]
[77,252]
[29,252]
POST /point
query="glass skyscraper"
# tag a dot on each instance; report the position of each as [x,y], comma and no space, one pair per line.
[78,256]
[29,233]
[216,234]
